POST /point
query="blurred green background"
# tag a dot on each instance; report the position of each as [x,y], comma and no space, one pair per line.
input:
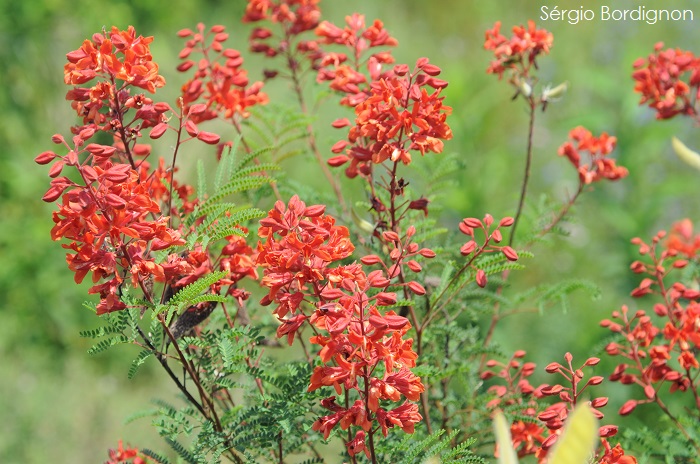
[58,404]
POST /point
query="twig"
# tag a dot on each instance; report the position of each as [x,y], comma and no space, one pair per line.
[526,176]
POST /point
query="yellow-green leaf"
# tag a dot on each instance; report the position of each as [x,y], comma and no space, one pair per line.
[506,453]
[687,155]
[578,440]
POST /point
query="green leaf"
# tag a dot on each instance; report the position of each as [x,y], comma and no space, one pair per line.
[138,362]
[193,290]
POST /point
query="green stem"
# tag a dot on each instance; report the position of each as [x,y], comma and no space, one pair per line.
[526,175]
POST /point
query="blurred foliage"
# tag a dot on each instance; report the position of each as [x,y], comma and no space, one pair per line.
[59,404]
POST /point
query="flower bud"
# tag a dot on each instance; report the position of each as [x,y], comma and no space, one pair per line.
[506,222]
[45,157]
[607,431]
[509,253]
[649,391]
[340,123]
[465,229]
[474,223]
[599,402]
[370,260]
[209,138]
[551,93]
[481,279]
[468,248]
[390,236]
[339,160]
[628,407]
[552,367]
[414,266]
[426,253]
[416,288]
[314,210]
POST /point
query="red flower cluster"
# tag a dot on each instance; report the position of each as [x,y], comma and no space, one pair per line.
[615,455]
[362,349]
[555,415]
[471,248]
[517,394]
[660,81]
[664,352]
[300,15]
[345,76]
[529,437]
[519,52]
[128,455]
[599,166]
[219,79]
[295,17]
[119,63]
[681,239]
[101,57]
[111,211]
[398,116]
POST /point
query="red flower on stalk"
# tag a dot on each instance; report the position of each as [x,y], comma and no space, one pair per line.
[472,250]
[520,51]
[599,165]
[126,455]
[295,17]
[615,455]
[681,239]
[669,81]
[654,355]
[299,15]
[111,210]
[399,116]
[123,55]
[362,349]
[219,80]
[343,71]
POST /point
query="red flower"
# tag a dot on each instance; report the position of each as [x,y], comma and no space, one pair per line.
[599,167]
[358,444]
[527,437]
[101,57]
[398,116]
[681,239]
[406,383]
[359,40]
[405,417]
[219,81]
[297,15]
[520,51]
[660,81]
[615,455]
[301,245]
[121,455]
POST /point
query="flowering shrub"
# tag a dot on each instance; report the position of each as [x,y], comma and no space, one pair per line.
[374,307]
